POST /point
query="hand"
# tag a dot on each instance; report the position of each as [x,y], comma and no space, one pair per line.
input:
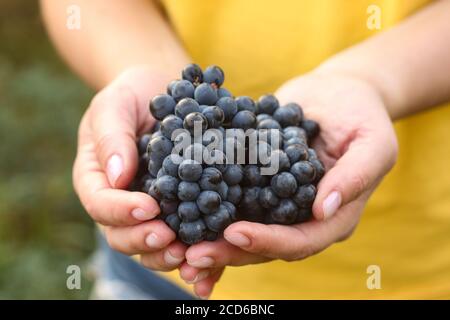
[358,146]
[106,163]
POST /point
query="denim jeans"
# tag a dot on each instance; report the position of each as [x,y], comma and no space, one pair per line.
[120,277]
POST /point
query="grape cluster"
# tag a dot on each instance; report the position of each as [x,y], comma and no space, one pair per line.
[199,200]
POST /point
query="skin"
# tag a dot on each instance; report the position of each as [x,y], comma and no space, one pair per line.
[123,103]
[355,96]
[348,141]
[118,114]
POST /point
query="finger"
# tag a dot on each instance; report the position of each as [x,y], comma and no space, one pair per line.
[213,254]
[108,206]
[369,157]
[121,208]
[165,260]
[204,288]
[115,117]
[293,242]
[327,159]
[191,274]
[145,237]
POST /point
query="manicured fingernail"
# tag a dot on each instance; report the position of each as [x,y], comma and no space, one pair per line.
[199,277]
[114,169]
[203,262]
[331,204]
[141,214]
[238,239]
[171,259]
[153,241]
[204,297]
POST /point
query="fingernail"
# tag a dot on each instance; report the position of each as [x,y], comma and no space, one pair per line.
[203,262]
[238,239]
[114,169]
[153,241]
[171,259]
[141,214]
[331,204]
[204,297]
[199,277]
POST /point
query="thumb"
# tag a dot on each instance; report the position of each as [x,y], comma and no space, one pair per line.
[115,119]
[364,163]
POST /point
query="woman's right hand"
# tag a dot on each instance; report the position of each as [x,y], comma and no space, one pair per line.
[106,163]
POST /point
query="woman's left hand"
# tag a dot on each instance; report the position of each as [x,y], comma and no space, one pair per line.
[358,146]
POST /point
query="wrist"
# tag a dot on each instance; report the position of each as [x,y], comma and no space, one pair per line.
[132,75]
[160,70]
[385,85]
[143,82]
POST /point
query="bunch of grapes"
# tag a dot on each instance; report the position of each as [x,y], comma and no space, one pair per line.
[199,199]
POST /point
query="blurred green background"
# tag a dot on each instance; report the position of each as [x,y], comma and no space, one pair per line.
[43,228]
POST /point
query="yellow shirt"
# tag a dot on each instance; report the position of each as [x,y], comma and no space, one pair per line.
[405,229]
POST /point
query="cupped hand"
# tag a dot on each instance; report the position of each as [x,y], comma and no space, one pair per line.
[106,163]
[358,146]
